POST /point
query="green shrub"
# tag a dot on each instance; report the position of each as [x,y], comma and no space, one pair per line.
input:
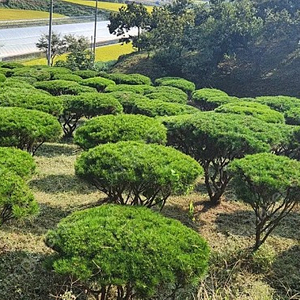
[138,89]
[27,129]
[10,65]
[271,185]
[86,73]
[166,97]
[128,100]
[67,77]
[17,161]
[279,103]
[292,116]
[29,80]
[31,99]
[171,90]
[2,78]
[180,83]
[134,79]
[112,129]
[63,87]
[257,110]
[15,82]
[97,82]
[16,200]
[137,250]
[215,139]
[209,99]
[138,173]
[152,108]
[86,105]
[5,71]
[38,73]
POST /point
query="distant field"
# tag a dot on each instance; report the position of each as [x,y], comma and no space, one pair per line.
[103,5]
[7,14]
[106,53]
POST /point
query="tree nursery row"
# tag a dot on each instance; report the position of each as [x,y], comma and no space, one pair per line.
[143,142]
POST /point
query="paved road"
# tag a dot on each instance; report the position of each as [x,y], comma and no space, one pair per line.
[20,41]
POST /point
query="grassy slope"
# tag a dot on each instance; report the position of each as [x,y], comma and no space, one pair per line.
[102,5]
[19,14]
[105,53]
[274,274]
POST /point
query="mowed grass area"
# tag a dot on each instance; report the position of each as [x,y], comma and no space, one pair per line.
[7,14]
[105,53]
[111,6]
[274,273]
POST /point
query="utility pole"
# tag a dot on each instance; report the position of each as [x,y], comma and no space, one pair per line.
[95,30]
[50,33]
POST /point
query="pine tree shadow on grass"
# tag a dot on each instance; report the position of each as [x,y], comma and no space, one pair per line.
[61,183]
[242,222]
[285,275]
[177,212]
[56,149]
[47,218]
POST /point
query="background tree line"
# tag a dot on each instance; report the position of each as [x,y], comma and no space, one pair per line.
[222,44]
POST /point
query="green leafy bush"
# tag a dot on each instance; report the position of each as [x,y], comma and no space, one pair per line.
[292,116]
[166,97]
[41,74]
[152,108]
[63,87]
[134,79]
[128,100]
[112,129]
[215,139]
[180,83]
[86,73]
[16,200]
[10,65]
[271,185]
[20,79]
[152,255]
[172,90]
[97,82]
[27,129]
[257,110]
[2,78]
[138,173]
[31,99]
[138,89]
[279,103]
[5,71]
[86,105]
[17,161]
[66,76]
[209,99]
[16,82]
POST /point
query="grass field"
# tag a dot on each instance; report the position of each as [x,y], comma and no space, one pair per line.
[273,274]
[105,53]
[19,14]
[111,6]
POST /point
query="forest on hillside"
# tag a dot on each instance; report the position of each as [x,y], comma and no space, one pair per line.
[247,48]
